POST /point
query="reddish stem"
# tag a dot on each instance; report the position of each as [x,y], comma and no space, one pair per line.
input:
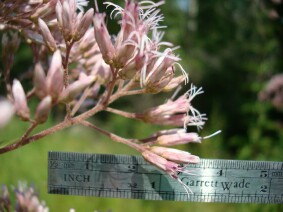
[128,142]
[66,74]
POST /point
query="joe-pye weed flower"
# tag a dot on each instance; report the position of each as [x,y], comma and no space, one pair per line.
[80,65]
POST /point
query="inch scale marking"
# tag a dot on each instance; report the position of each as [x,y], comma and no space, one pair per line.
[124,176]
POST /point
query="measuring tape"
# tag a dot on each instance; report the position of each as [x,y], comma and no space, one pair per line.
[125,176]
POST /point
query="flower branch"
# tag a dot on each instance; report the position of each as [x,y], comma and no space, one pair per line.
[66,74]
[121,113]
[27,133]
[128,142]
[76,107]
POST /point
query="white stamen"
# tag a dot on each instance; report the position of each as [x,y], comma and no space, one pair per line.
[117,7]
[174,48]
[184,73]
[176,92]
[213,134]
[160,27]
[187,188]
[164,43]
[197,119]
[143,73]
[192,92]
[152,4]
[165,54]
[81,3]
[96,6]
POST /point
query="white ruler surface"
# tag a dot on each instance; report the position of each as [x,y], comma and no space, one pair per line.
[125,176]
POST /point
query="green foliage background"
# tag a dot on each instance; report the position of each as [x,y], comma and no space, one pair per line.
[230,48]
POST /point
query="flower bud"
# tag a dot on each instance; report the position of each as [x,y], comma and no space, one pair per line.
[124,54]
[43,109]
[160,64]
[168,166]
[130,20]
[129,71]
[7,111]
[59,12]
[47,36]
[175,82]
[170,120]
[9,47]
[12,44]
[132,68]
[74,89]
[87,42]
[101,70]
[45,10]
[103,38]
[158,85]
[68,12]
[175,155]
[160,71]
[20,100]
[84,24]
[168,132]
[72,5]
[16,40]
[55,76]
[170,113]
[178,138]
[39,81]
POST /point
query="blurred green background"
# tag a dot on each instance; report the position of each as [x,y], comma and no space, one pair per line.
[230,48]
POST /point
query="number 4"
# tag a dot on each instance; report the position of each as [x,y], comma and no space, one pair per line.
[220,173]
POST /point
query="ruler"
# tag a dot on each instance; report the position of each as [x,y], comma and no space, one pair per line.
[125,176]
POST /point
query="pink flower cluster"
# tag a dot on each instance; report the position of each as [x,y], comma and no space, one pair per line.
[79,65]
[136,51]
[26,199]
